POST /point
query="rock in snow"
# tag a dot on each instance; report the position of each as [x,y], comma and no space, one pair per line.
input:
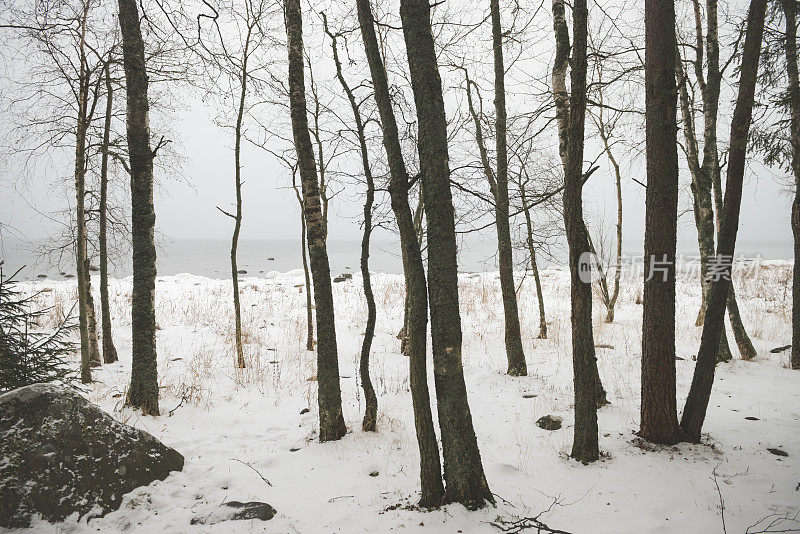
[549,422]
[235,510]
[60,454]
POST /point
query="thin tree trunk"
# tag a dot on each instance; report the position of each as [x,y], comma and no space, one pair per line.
[143,392]
[746,349]
[659,417]
[514,352]
[237,216]
[611,300]
[534,267]
[331,420]
[694,411]
[432,488]
[109,351]
[371,400]
[463,471]
[790,12]
[306,273]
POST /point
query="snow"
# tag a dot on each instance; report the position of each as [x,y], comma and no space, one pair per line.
[221,418]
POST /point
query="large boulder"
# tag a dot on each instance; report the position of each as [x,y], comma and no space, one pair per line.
[60,454]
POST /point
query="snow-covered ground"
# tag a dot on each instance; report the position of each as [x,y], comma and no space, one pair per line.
[236,426]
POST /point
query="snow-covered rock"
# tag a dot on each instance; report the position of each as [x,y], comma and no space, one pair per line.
[61,455]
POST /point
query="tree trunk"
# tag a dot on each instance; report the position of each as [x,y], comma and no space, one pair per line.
[80,212]
[463,470]
[143,392]
[237,216]
[577,235]
[514,352]
[94,345]
[331,420]
[790,12]
[432,488]
[659,417]
[109,351]
[534,267]
[701,194]
[306,273]
[585,446]
[697,402]
[746,349]
[371,411]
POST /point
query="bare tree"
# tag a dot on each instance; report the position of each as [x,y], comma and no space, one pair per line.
[463,471]
[371,411]
[694,411]
[416,322]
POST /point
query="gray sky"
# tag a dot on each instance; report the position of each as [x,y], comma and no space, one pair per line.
[186,205]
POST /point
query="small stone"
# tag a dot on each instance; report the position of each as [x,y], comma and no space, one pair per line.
[549,422]
[41,276]
[529,395]
[751,418]
[241,271]
[235,511]
[778,452]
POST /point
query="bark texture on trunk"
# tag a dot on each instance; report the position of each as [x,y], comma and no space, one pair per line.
[514,352]
[432,488]
[577,234]
[697,402]
[790,12]
[659,417]
[109,351]
[586,381]
[371,400]
[331,420]
[463,471]
[143,392]
[80,212]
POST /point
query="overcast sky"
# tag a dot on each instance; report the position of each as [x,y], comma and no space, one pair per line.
[186,205]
